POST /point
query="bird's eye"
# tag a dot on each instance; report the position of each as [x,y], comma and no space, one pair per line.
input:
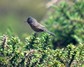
[29,20]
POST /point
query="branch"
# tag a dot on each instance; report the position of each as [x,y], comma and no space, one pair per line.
[73,56]
[4,42]
[68,64]
[77,20]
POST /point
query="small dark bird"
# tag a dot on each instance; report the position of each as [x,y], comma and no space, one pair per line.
[37,27]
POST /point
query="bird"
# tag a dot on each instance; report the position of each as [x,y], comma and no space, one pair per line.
[36,26]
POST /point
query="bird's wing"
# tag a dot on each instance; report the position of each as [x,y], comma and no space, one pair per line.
[40,26]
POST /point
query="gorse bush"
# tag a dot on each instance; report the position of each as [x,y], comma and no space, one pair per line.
[44,42]
[44,50]
[13,53]
[67,23]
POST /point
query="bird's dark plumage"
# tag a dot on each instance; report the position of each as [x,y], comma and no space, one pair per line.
[29,20]
[37,27]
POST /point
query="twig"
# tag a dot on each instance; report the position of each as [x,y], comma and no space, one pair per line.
[4,42]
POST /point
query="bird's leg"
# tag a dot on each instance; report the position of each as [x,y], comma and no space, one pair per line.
[35,33]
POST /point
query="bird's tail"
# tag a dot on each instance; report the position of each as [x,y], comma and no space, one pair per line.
[50,33]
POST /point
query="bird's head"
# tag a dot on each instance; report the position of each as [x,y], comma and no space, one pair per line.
[30,19]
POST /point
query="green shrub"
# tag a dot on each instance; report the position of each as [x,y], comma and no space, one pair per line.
[67,23]
[14,53]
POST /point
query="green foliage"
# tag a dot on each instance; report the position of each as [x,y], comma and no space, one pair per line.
[42,50]
[13,53]
[36,42]
[67,23]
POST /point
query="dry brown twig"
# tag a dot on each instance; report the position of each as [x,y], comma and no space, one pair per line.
[4,41]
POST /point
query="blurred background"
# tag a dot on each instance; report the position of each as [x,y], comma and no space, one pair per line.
[13,13]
